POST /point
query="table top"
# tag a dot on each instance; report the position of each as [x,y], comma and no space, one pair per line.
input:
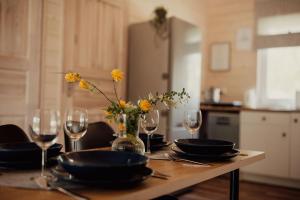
[239,109]
[182,176]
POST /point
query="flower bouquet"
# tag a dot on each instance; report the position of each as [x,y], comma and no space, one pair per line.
[127,114]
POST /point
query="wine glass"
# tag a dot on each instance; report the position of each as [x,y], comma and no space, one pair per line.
[45,126]
[149,123]
[76,125]
[192,121]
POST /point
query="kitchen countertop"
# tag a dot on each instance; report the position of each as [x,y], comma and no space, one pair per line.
[241,108]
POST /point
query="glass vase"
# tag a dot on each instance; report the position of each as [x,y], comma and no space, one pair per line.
[128,137]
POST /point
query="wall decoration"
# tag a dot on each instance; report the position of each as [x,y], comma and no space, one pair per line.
[220,56]
[244,39]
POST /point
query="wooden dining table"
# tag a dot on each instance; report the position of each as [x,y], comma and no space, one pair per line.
[182,175]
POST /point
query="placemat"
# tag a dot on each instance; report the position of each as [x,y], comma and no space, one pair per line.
[26,179]
[19,179]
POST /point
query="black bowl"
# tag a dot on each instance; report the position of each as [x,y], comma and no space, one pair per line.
[204,146]
[154,139]
[96,164]
[26,151]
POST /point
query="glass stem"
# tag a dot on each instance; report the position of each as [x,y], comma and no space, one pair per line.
[192,135]
[44,160]
[74,145]
[148,144]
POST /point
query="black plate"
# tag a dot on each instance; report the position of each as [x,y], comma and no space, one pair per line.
[154,139]
[122,181]
[26,151]
[22,165]
[96,163]
[157,147]
[210,157]
[204,146]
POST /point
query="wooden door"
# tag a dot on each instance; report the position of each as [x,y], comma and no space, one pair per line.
[295,147]
[20,34]
[94,45]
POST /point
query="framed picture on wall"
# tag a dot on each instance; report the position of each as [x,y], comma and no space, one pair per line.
[220,56]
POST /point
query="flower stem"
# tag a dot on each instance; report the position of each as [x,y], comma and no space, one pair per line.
[98,90]
[115,90]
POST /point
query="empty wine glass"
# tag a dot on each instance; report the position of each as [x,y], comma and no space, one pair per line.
[192,121]
[149,123]
[76,125]
[45,126]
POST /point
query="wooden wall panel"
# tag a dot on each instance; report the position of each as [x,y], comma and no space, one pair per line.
[20,41]
[52,54]
[224,19]
[14,28]
[94,44]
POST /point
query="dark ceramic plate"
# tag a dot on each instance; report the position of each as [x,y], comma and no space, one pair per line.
[204,146]
[26,151]
[157,147]
[96,163]
[209,157]
[154,139]
[122,181]
[22,165]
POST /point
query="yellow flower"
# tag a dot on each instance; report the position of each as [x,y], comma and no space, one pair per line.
[84,84]
[72,77]
[117,75]
[122,103]
[108,113]
[121,127]
[145,105]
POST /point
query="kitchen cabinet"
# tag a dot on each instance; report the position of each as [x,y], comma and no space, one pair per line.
[268,132]
[295,147]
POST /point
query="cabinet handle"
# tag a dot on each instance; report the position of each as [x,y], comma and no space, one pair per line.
[296,120]
[263,118]
[283,135]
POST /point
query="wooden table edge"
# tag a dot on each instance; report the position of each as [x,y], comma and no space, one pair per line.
[190,180]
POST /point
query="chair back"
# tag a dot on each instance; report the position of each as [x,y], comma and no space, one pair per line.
[99,134]
[10,133]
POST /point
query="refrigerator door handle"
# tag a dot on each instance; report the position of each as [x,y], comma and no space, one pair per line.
[179,125]
[164,113]
[165,76]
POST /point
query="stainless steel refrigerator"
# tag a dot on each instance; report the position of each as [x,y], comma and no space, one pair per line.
[161,63]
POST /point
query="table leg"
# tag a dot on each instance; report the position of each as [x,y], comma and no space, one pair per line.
[234,184]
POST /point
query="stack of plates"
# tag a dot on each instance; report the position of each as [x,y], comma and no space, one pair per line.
[25,155]
[107,168]
[205,149]
[156,141]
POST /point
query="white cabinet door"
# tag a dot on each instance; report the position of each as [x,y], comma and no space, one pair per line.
[271,138]
[277,151]
[295,147]
[254,137]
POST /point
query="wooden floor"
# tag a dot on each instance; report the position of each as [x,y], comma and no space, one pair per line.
[218,189]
